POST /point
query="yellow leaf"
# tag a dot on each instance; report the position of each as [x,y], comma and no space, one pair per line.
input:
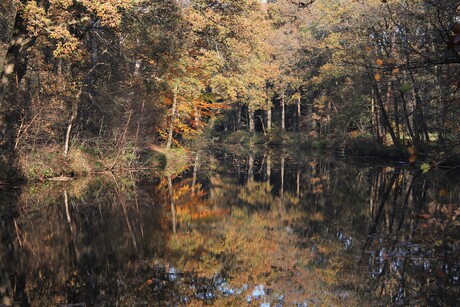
[378,77]
[443,192]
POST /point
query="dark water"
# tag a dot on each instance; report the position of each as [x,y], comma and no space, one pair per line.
[261,229]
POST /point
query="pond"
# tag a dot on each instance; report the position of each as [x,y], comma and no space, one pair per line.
[262,228]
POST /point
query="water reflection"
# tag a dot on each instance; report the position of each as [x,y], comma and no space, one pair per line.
[265,229]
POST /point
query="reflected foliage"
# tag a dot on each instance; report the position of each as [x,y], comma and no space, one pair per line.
[266,227]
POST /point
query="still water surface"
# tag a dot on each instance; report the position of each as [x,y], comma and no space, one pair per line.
[259,229]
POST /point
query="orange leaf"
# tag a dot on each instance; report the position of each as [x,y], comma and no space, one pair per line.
[378,77]
[425,216]
[379,62]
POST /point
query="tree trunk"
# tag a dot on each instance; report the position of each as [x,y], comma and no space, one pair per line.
[384,114]
[7,16]
[238,117]
[298,183]
[408,124]
[251,120]
[311,124]
[73,117]
[251,168]
[283,118]
[298,113]
[282,176]
[269,167]
[171,200]
[195,173]
[373,121]
[392,92]
[172,119]
[197,116]
[13,66]
[137,67]
[419,122]
[269,119]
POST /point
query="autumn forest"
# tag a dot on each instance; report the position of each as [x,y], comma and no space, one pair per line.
[119,77]
[277,141]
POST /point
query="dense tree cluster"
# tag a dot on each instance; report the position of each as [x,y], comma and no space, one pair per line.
[123,74]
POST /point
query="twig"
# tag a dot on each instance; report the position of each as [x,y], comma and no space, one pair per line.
[122,141]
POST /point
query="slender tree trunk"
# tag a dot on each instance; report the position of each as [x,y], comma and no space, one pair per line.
[172,119]
[262,123]
[374,129]
[311,124]
[8,11]
[395,108]
[251,168]
[13,67]
[269,119]
[195,173]
[413,137]
[384,115]
[67,211]
[420,125]
[298,182]
[137,67]
[298,113]
[251,120]
[171,200]
[73,117]
[138,129]
[238,117]
[197,117]
[269,167]
[283,119]
[282,176]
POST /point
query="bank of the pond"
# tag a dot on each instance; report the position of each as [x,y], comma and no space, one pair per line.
[49,163]
[426,157]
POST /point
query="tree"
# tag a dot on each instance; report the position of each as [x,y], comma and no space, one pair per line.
[44,30]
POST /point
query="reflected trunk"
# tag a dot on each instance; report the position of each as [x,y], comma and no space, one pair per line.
[298,183]
[282,176]
[171,201]
[251,167]
[269,167]
[195,173]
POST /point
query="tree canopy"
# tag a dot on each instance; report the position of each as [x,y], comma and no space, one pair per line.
[133,73]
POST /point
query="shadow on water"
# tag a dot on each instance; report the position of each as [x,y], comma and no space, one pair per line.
[264,229]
